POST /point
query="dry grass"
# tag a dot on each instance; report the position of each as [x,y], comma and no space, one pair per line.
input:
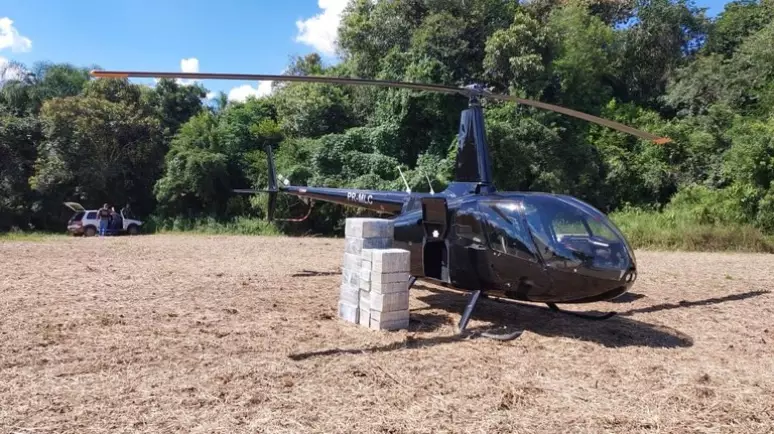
[215,334]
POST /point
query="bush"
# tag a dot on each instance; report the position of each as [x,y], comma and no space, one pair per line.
[688,229]
[236,226]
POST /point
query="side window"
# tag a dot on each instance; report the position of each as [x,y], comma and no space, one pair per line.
[550,236]
[539,232]
[466,226]
[91,216]
[567,224]
[506,233]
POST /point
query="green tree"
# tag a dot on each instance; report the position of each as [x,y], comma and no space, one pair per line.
[18,139]
[99,150]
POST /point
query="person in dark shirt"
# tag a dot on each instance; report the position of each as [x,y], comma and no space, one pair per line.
[104,219]
[116,222]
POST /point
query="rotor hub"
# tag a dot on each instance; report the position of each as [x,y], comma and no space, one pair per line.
[474,92]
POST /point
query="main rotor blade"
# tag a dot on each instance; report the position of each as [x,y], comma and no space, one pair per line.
[266,77]
[585,116]
[467,91]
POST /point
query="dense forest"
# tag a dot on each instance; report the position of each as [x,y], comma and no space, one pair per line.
[659,65]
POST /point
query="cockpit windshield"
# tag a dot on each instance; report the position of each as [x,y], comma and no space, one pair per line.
[572,236]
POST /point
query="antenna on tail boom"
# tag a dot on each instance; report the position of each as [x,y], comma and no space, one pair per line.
[408,189]
[430,184]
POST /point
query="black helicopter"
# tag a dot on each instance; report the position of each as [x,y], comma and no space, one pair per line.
[524,246]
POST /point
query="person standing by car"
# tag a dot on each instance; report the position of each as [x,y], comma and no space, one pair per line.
[104,219]
[116,222]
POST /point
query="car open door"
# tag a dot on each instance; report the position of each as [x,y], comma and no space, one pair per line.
[75,206]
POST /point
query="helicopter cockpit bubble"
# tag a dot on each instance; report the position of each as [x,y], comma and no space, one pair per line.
[572,236]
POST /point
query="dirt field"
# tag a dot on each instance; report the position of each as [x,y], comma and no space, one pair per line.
[220,334]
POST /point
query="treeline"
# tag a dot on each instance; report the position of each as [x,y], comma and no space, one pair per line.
[659,65]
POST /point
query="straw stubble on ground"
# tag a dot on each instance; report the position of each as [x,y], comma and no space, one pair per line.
[239,334]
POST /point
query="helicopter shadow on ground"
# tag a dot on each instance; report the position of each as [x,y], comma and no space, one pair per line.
[628,297]
[419,323]
[614,332]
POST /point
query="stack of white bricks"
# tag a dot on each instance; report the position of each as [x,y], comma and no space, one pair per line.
[374,287]
[384,293]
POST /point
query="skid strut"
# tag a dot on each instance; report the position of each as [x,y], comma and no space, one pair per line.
[556,308]
[411,281]
[469,311]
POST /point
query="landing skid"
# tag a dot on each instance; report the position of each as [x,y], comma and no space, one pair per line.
[463,324]
[604,316]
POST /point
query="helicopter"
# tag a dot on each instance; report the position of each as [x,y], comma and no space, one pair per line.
[519,245]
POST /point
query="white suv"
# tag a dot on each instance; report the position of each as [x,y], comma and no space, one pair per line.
[86,222]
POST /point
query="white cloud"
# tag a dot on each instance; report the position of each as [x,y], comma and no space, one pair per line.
[10,37]
[190,64]
[321,31]
[238,94]
[241,93]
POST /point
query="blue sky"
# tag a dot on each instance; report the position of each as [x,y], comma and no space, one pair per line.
[249,36]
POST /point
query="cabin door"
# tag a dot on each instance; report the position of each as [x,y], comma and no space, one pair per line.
[435,250]
[512,256]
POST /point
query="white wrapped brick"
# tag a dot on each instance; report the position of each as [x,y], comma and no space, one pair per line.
[390,260]
[389,302]
[389,320]
[364,305]
[365,274]
[364,298]
[364,317]
[365,285]
[400,324]
[348,312]
[379,277]
[369,228]
[367,254]
[386,288]
[397,315]
[350,277]
[355,245]
[349,294]
[351,261]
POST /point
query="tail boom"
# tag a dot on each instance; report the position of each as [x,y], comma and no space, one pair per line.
[388,202]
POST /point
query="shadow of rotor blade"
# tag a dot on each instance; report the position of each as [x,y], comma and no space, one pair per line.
[312,273]
[705,302]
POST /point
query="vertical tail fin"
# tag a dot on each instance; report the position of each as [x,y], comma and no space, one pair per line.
[473,163]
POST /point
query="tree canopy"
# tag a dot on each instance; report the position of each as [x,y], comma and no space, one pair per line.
[659,65]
